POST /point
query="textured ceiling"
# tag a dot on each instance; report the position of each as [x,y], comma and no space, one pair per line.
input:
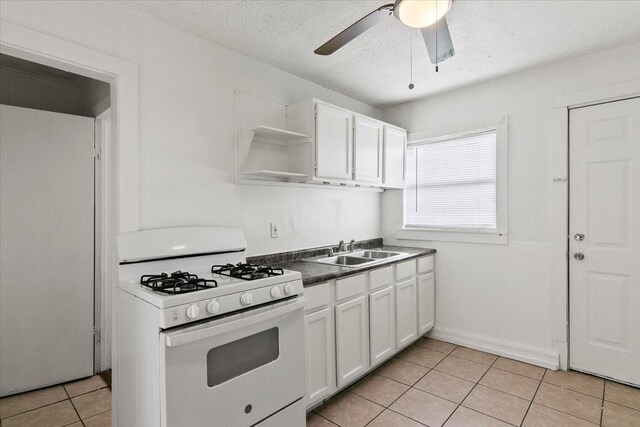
[491,38]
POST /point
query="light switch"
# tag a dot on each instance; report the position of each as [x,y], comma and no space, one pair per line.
[275,231]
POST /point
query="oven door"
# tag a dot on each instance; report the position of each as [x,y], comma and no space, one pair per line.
[234,371]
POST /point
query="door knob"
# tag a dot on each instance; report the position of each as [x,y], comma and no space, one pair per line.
[579,237]
[578,256]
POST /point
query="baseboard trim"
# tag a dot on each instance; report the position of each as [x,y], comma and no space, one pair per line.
[525,354]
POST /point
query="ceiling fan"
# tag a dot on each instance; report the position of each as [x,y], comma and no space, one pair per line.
[428,15]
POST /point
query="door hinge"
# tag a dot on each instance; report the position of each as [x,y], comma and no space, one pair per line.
[97,153]
[96,335]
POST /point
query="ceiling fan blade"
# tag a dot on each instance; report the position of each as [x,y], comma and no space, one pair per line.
[438,35]
[355,30]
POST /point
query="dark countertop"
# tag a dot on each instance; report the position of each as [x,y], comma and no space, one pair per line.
[314,273]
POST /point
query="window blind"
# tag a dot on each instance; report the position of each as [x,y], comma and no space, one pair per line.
[452,183]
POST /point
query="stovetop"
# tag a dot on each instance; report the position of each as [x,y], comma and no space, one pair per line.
[140,279]
[177,282]
[246,271]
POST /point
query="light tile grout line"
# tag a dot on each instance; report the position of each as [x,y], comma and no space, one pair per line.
[72,405]
[563,412]
[471,391]
[410,386]
[534,396]
[604,392]
[324,418]
[53,403]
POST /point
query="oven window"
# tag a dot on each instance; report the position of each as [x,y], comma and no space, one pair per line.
[235,358]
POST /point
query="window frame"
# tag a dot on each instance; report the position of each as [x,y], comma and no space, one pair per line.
[464,234]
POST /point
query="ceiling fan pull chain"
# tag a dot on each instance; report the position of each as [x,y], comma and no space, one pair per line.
[411,85]
[437,37]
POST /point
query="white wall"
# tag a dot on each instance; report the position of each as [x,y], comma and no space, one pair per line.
[504,296]
[186,99]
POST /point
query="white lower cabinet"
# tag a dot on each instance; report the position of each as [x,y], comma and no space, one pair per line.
[355,323]
[320,356]
[426,303]
[382,324]
[352,352]
[406,308]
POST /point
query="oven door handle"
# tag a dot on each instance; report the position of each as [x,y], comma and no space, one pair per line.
[231,324]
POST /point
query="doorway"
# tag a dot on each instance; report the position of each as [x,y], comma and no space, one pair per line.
[604,239]
[51,205]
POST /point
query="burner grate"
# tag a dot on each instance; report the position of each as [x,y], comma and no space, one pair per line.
[177,282]
[246,271]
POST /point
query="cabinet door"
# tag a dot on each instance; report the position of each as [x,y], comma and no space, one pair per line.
[406,307]
[382,324]
[368,150]
[351,340]
[320,362]
[395,141]
[333,144]
[426,303]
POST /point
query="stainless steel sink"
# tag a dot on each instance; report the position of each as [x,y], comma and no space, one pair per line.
[378,254]
[343,260]
[356,259]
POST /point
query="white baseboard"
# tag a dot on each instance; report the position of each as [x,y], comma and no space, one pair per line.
[534,356]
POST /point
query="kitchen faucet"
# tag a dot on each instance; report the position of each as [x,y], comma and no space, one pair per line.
[342,248]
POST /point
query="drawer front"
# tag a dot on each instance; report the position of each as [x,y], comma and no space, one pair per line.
[425,264]
[350,287]
[405,270]
[317,296]
[380,278]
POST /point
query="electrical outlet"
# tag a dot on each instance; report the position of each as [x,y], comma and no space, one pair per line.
[275,231]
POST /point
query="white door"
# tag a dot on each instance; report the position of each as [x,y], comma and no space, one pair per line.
[426,303]
[47,248]
[406,319]
[368,150]
[382,324]
[604,226]
[395,143]
[334,142]
[351,340]
[319,356]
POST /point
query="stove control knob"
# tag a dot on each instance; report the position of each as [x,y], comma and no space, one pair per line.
[193,311]
[288,289]
[246,298]
[213,307]
[275,292]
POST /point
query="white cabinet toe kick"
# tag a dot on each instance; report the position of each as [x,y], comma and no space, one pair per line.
[353,325]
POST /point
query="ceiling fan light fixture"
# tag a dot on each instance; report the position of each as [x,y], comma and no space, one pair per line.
[421,13]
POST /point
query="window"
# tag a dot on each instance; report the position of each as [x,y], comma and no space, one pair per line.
[452,183]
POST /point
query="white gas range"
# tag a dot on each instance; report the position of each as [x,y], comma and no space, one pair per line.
[203,338]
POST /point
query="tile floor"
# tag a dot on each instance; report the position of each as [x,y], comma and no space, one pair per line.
[434,383]
[431,383]
[85,402]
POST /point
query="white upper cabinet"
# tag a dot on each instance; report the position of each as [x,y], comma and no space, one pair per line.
[395,142]
[367,145]
[334,143]
[346,148]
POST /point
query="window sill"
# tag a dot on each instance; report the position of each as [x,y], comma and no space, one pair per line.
[462,236]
